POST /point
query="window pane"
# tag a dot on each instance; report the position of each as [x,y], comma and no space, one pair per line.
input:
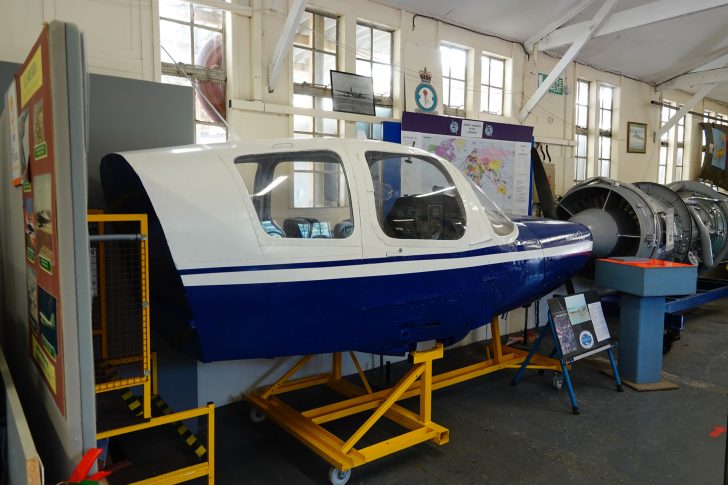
[457,94]
[679,157]
[329,35]
[496,101]
[302,66]
[385,111]
[414,198]
[302,123]
[303,193]
[382,78]
[302,101]
[177,80]
[326,104]
[605,122]
[210,134]
[484,70]
[304,33]
[446,91]
[363,68]
[605,97]
[581,146]
[663,155]
[580,168]
[327,126]
[175,9]
[582,93]
[661,174]
[484,102]
[581,115]
[175,38]
[605,147]
[324,64]
[209,17]
[678,173]
[497,72]
[363,42]
[445,60]
[604,168]
[206,43]
[681,133]
[382,46]
[458,63]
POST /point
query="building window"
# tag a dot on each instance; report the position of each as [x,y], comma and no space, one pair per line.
[581,129]
[672,146]
[374,58]
[454,69]
[492,80]
[192,39]
[606,108]
[314,56]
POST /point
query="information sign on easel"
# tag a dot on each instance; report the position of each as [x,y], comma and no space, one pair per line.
[578,329]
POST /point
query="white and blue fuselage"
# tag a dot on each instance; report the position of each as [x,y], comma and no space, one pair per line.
[408,266]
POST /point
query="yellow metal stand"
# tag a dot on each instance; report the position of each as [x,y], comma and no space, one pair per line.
[343,455]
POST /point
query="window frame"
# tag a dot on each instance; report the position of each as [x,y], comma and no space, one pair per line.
[603,134]
[446,108]
[581,131]
[485,87]
[196,72]
[381,103]
[317,92]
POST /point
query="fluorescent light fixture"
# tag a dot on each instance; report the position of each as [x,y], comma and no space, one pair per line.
[446,189]
[278,181]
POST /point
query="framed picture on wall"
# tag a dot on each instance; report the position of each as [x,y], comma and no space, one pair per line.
[352,93]
[636,137]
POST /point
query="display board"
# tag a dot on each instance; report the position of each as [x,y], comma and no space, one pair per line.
[496,156]
[714,167]
[39,216]
[580,324]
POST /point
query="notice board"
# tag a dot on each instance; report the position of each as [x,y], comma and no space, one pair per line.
[580,324]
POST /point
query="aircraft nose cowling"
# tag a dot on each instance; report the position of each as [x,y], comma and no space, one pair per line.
[567,248]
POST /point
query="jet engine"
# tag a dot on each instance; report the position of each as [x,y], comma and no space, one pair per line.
[684,222]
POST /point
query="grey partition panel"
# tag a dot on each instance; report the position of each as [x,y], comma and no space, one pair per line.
[127,114]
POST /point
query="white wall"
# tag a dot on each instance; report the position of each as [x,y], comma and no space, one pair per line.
[122,39]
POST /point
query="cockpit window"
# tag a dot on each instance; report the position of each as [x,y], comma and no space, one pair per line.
[301,195]
[415,198]
[502,225]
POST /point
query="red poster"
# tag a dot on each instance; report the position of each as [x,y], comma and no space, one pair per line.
[39,214]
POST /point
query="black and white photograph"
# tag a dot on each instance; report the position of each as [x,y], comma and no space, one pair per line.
[352,93]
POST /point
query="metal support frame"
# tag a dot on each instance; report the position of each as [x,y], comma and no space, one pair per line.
[419,381]
[285,42]
[546,31]
[578,43]
[629,19]
[144,380]
[697,97]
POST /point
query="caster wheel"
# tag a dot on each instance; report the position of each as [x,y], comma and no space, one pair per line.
[257,416]
[557,381]
[337,477]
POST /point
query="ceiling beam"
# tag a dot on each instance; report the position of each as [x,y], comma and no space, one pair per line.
[229,7]
[697,97]
[629,19]
[284,42]
[690,80]
[567,58]
[573,12]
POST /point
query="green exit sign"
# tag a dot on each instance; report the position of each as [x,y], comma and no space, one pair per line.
[556,88]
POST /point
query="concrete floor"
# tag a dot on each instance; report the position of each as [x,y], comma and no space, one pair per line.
[527,434]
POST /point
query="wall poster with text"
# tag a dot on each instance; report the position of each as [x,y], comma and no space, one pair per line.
[39,217]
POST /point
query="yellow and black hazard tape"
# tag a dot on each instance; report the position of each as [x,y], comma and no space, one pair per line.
[182,430]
